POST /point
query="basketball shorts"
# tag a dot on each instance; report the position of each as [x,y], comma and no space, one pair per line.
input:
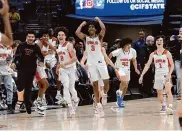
[40,73]
[98,72]
[160,81]
[123,72]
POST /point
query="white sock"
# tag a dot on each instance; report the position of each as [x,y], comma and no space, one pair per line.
[58,92]
[39,98]
[44,96]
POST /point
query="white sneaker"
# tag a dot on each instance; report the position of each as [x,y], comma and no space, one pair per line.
[104,99]
[100,110]
[39,107]
[71,111]
[75,104]
[169,111]
[44,103]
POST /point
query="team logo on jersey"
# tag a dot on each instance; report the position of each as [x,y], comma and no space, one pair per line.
[89,4]
[28,52]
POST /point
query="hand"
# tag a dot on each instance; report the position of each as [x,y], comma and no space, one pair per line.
[172,38]
[13,66]
[168,78]
[5,8]
[62,65]
[41,64]
[86,67]
[84,23]
[97,19]
[137,71]
[140,80]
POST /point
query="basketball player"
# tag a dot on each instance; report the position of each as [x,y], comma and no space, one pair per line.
[25,59]
[66,67]
[6,40]
[124,55]
[41,75]
[162,59]
[97,65]
[100,82]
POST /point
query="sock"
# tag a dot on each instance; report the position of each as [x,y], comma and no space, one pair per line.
[44,96]
[39,98]
[58,92]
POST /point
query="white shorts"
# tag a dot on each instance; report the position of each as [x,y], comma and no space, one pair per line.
[40,73]
[98,72]
[123,72]
[160,81]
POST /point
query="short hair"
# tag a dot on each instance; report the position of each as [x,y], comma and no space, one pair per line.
[31,32]
[63,29]
[160,36]
[117,41]
[125,41]
[43,32]
[150,38]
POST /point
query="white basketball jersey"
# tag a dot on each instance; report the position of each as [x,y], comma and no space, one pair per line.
[161,63]
[94,51]
[45,48]
[64,55]
[123,58]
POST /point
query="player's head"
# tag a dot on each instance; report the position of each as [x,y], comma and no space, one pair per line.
[160,41]
[44,35]
[62,33]
[30,38]
[92,28]
[125,44]
[149,40]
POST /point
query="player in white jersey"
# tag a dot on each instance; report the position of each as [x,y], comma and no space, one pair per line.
[41,75]
[164,67]
[124,55]
[100,82]
[97,68]
[66,68]
[6,40]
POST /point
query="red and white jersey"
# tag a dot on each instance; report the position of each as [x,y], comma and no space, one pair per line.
[94,51]
[4,53]
[45,48]
[64,55]
[123,58]
[161,63]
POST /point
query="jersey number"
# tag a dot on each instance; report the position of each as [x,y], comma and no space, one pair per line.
[92,48]
[160,65]
[61,58]
[125,63]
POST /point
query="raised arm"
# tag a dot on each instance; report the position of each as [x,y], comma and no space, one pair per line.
[7,38]
[102,26]
[78,32]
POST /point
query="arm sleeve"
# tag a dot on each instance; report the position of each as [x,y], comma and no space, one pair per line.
[134,53]
[115,53]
